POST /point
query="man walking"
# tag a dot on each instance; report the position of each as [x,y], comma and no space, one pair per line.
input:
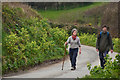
[104,44]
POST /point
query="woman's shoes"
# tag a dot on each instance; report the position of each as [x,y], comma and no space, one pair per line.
[73,68]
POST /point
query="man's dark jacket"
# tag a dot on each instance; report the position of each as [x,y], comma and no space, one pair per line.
[104,42]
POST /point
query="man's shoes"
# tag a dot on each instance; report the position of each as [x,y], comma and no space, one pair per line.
[102,67]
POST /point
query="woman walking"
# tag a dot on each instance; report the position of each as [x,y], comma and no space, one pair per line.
[75,46]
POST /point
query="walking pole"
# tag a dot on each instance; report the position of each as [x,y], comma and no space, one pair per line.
[64,57]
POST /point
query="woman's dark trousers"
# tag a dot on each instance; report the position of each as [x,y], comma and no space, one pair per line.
[73,55]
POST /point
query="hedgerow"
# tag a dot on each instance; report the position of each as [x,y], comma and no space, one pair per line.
[29,41]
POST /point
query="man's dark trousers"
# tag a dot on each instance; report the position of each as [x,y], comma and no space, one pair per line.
[102,58]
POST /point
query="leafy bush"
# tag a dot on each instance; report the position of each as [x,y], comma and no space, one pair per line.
[88,39]
[29,41]
[116,42]
[111,70]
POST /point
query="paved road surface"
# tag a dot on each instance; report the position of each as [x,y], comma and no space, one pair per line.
[89,55]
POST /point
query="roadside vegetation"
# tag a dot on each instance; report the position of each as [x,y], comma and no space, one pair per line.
[28,41]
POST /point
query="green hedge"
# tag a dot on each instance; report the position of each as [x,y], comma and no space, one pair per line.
[29,41]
